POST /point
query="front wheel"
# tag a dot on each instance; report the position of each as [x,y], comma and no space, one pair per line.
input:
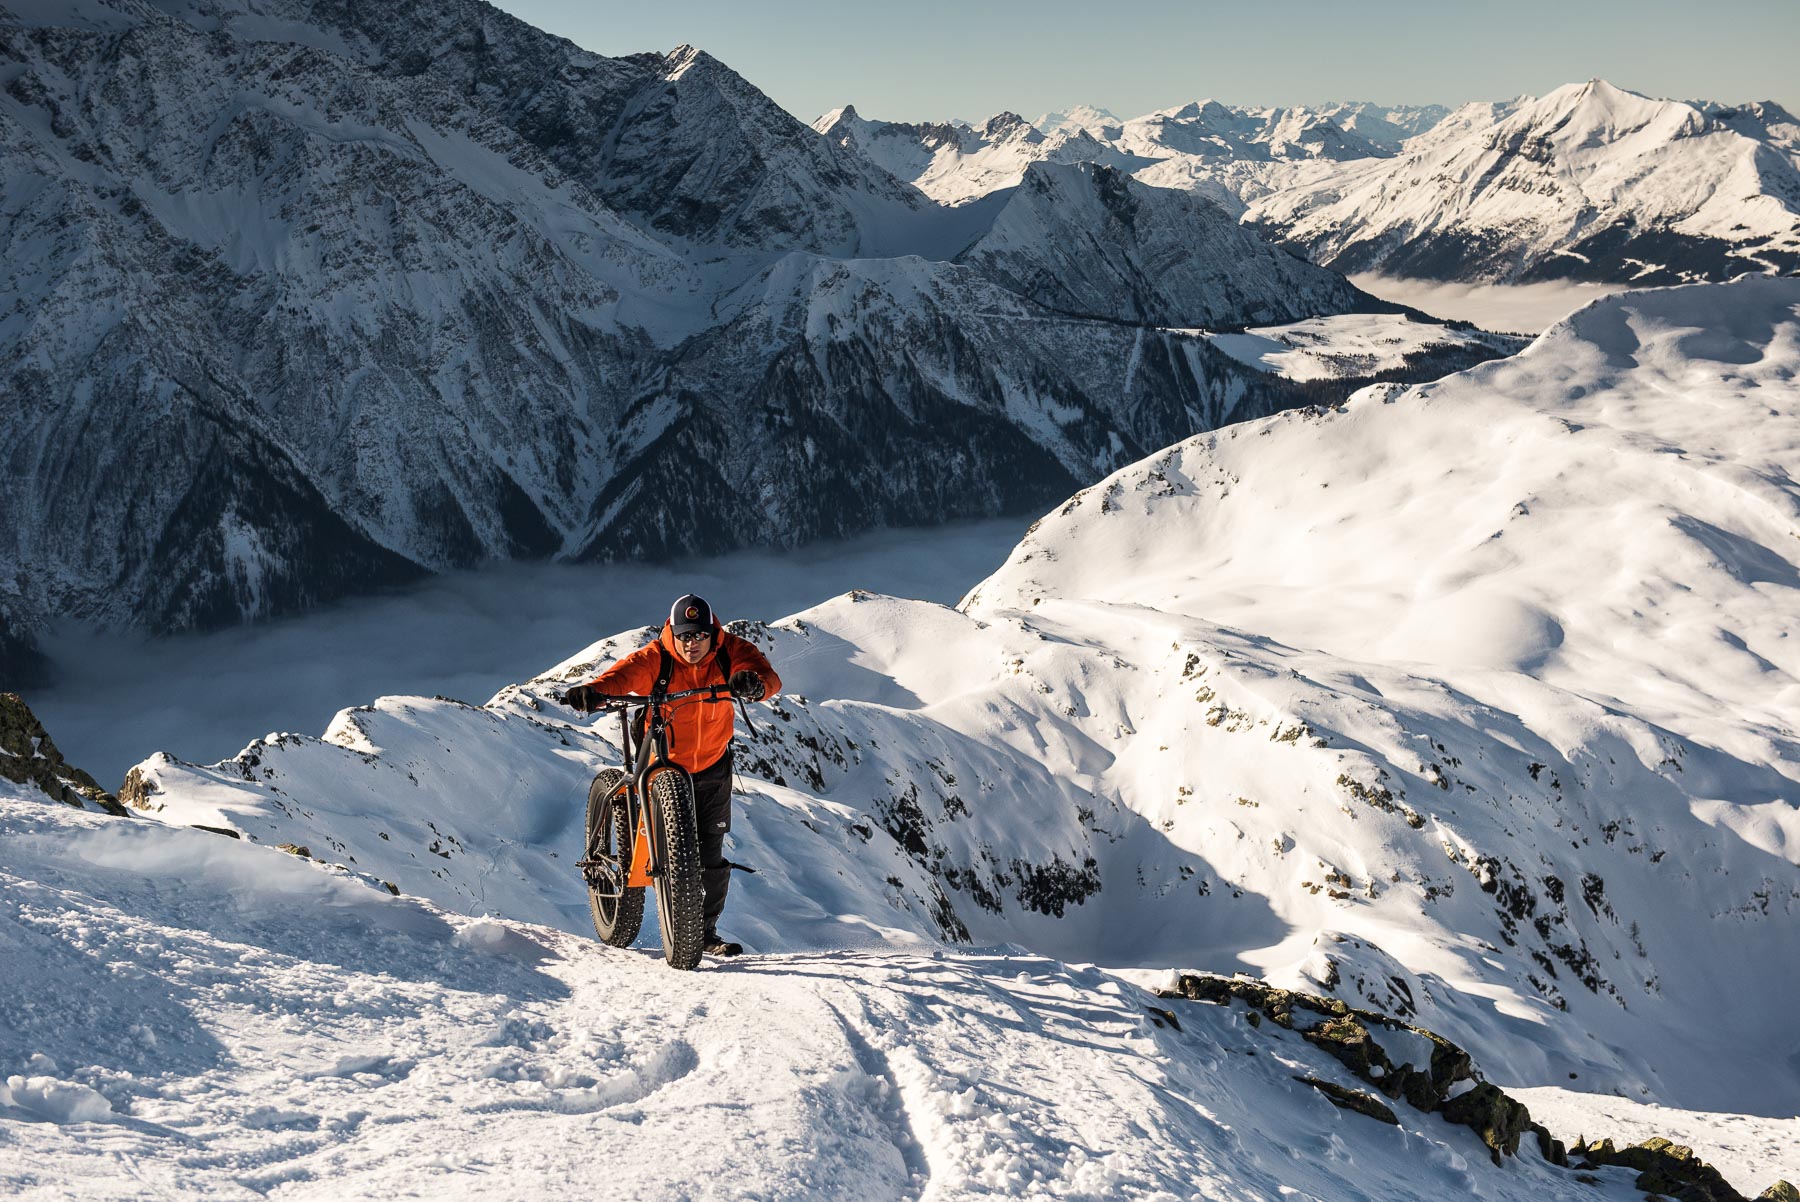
[618,911]
[680,893]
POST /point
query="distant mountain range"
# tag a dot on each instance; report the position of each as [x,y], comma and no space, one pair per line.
[1589,182]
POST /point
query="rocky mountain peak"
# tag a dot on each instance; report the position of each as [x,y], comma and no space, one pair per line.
[1003,125]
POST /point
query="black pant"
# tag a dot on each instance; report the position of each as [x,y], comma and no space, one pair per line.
[712,811]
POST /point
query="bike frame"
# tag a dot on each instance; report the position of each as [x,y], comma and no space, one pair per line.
[646,758]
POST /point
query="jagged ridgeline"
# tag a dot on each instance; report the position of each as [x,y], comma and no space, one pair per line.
[293,307]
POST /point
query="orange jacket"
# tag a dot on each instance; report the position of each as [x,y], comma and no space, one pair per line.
[699,730]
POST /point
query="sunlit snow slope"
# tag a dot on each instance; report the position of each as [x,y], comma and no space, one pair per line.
[1474,701]
[196,1017]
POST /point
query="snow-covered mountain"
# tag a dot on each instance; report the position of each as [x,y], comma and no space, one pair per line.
[1222,151]
[1588,182]
[1438,730]
[1329,697]
[1082,116]
[954,163]
[293,309]
[1386,126]
[1086,238]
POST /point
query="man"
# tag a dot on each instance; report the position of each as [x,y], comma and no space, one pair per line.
[693,652]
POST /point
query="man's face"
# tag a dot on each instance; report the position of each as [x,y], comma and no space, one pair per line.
[694,647]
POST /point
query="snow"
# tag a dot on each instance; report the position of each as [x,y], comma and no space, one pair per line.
[314,1038]
[1751,1151]
[1219,711]
[1506,195]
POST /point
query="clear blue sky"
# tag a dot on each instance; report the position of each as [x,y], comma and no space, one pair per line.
[932,59]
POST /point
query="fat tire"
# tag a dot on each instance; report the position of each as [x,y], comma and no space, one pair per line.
[616,919]
[680,892]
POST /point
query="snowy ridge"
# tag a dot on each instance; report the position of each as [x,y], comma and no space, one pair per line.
[1407,760]
[1589,182]
[1225,152]
[954,163]
[292,1031]
[1089,239]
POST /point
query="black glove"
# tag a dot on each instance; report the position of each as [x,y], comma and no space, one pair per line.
[580,699]
[747,685]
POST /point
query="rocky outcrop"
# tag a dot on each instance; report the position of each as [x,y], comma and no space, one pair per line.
[1450,1086]
[1667,1169]
[1447,1084]
[28,757]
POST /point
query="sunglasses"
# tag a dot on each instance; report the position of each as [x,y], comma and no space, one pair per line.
[695,637]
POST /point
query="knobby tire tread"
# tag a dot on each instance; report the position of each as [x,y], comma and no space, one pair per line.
[680,892]
[616,921]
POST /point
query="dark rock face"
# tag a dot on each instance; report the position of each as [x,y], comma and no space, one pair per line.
[293,309]
[1353,1100]
[28,757]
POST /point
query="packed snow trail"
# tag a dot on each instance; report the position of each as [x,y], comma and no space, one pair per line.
[203,1018]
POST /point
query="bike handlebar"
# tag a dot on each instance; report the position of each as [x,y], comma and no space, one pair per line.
[713,692]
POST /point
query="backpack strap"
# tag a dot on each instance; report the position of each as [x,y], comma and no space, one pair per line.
[665,671]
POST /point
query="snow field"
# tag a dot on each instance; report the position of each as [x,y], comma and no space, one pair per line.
[312,1037]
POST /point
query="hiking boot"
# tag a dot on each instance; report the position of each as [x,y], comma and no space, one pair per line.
[714,945]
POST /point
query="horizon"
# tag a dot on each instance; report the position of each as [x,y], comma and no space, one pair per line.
[932,61]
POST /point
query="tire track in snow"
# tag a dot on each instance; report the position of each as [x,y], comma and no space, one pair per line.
[888,1102]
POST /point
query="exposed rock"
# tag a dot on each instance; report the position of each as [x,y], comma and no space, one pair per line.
[1349,1035]
[1781,1191]
[137,790]
[1488,1112]
[28,757]
[1669,1169]
[1352,1099]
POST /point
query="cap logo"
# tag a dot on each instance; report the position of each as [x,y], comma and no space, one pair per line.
[693,611]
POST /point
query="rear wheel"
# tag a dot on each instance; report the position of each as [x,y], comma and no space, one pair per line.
[680,894]
[618,911]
